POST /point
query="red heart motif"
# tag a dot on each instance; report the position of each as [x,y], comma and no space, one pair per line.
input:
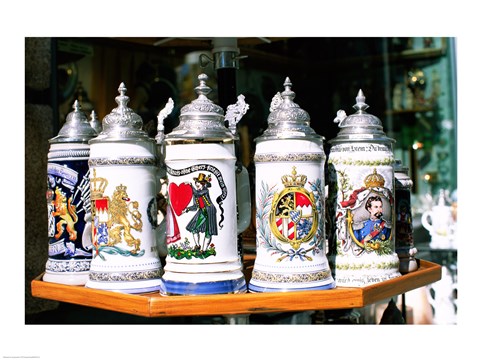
[180,196]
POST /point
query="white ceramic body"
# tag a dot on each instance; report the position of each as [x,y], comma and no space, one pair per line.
[124,183]
[282,263]
[440,225]
[356,260]
[69,232]
[202,259]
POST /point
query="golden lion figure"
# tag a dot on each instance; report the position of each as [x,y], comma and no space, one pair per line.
[67,213]
[118,224]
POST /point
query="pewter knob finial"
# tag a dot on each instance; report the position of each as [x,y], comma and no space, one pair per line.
[122,99]
[360,105]
[76,106]
[203,89]
[288,93]
[95,123]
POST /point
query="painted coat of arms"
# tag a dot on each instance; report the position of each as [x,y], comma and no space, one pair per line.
[293,219]
[68,204]
[115,220]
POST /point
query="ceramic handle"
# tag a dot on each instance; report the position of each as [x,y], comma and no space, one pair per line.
[243,201]
[161,229]
[427,221]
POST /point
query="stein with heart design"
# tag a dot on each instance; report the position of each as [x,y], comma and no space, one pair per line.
[202,224]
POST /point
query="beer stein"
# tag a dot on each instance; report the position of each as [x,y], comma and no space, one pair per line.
[124,183]
[290,202]
[361,200]
[404,245]
[68,202]
[202,226]
[440,224]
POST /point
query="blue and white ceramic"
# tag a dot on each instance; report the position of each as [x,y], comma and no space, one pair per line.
[68,202]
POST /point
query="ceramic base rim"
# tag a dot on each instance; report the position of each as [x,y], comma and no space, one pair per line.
[70,278]
[259,289]
[127,288]
[235,286]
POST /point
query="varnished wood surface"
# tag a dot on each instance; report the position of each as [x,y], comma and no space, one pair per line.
[156,305]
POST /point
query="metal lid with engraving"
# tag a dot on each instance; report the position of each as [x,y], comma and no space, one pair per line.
[122,124]
[287,120]
[201,120]
[76,129]
[360,126]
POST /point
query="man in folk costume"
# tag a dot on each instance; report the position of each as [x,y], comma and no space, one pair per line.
[375,227]
[205,219]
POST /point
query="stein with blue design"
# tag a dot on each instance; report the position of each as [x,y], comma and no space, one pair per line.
[290,202]
[68,202]
[124,180]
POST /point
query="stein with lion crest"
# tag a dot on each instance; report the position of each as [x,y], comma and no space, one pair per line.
[124,182]
[68,201]
[360,201]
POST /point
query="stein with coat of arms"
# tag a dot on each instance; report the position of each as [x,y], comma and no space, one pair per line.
[68,202]
[360,202]
[124,182]
[290,202]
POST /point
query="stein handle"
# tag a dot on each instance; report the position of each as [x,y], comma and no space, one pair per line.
[243,201]
[161,229]
[427,220]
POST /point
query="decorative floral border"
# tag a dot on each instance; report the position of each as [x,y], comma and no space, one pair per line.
[67,266]
[123,161]
[68,154]
[363,162]
[125,276]
[291,278]
[384,265]
[288,157]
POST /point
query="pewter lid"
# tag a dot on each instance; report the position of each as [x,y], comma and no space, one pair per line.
[360,126]
[95,123]
[201,119]
[122,124]
[76,129]
[287,120]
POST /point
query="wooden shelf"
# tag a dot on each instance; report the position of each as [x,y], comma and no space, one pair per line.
[156,305]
